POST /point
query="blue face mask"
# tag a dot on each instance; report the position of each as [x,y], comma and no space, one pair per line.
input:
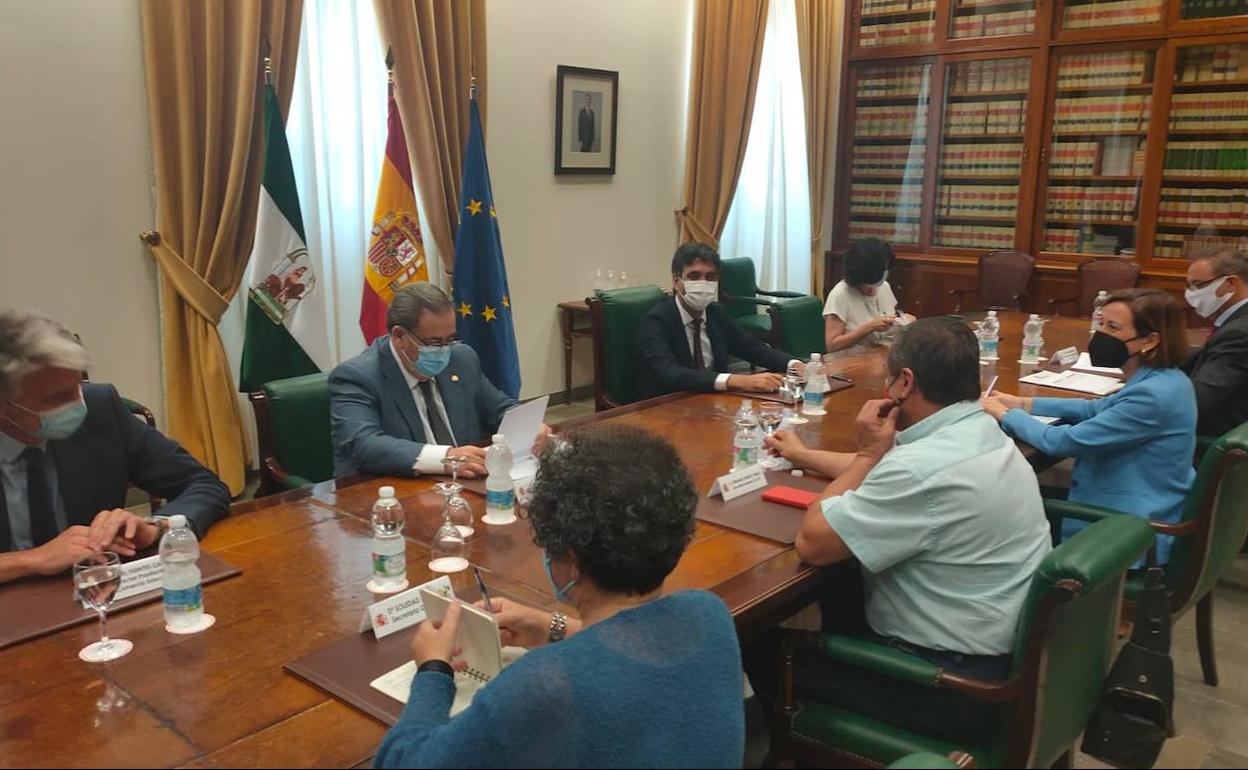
[60,422]
[432,360]
[560,593]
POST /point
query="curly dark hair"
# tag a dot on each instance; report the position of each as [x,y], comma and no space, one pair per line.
[620,500]
[867,260]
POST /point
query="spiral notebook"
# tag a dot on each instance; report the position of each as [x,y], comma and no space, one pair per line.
[481,648]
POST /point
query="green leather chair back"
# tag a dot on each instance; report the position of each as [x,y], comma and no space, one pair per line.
[1221,492]
[738,280]
[299,416]
[1078,641]
[799,323]
[622,311]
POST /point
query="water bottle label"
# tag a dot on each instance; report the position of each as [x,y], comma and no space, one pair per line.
[185,600]
[500,499]
[813,397]
[392,565]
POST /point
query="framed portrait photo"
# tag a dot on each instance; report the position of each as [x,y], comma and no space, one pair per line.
[585,120]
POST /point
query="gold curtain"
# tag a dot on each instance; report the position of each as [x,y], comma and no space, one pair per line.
[205,79]
[818,30]
[438,46]
[727,53]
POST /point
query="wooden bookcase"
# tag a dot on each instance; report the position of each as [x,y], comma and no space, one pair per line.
[1064,128]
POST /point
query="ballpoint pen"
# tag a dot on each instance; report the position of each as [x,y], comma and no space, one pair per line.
[485,594]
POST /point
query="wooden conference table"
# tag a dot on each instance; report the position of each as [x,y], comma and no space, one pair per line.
[221,699]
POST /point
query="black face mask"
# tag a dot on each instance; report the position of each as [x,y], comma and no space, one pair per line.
[1108,351]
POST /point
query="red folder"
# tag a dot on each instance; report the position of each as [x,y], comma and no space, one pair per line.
[797,498]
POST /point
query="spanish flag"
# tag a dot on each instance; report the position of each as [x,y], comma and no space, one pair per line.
[396,253]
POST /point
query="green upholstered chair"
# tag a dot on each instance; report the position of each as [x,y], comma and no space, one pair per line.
[738,286]
[1062,651]
[615,315]
[292,424]
[1208,537]
[797,326]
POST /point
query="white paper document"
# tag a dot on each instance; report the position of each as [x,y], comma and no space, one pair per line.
[520,425]
[1085,364]
[1046,420]
[1080,382]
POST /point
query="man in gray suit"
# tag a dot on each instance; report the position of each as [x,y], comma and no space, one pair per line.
[415,396]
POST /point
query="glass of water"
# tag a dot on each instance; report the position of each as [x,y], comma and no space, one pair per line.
[796,384]
[769,416]
[97,577]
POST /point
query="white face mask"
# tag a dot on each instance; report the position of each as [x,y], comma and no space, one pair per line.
[700,294]
[1205,301]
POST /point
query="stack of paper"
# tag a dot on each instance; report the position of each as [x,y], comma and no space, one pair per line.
[1081,382]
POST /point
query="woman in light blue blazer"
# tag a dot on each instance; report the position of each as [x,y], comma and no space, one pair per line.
[1133,450]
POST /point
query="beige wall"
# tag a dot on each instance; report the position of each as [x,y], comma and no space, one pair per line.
[557,230]
[75,172]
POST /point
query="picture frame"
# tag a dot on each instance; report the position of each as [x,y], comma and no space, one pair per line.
[586,119]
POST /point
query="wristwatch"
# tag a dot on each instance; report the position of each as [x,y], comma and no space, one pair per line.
[558,627]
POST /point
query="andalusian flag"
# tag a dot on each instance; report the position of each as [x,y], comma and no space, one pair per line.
[396,254]
[286,333]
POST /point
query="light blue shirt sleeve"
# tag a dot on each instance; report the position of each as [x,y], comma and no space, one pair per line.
[884,521]
[1127,420]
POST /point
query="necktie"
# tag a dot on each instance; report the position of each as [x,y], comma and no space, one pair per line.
[441,433]
[698,363]
[39,498]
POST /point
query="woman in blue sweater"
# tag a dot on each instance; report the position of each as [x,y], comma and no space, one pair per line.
[641,679]
[1133,450]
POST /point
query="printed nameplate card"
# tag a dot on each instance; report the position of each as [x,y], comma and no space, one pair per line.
[739,482]
[404,610]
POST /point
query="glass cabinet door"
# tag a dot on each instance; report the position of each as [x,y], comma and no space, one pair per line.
[1096,160]
[1093,14]
[981,153]
[890,141]
[1212,9]
[992,18]
[1204,194]
[896,22]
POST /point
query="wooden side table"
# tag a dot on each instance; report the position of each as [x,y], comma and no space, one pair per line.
[568,313]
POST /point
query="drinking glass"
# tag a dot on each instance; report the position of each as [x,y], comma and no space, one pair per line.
[447,552]
[452,463]
[456,509]
[797,386]
[97,577]
[769,416]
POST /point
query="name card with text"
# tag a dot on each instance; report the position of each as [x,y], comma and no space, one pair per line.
[739,482]
[406,609]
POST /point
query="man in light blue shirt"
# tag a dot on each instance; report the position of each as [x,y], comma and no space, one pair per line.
[945,518]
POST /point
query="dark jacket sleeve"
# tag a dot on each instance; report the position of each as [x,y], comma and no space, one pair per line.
[161,467]
[747,347]
[492,403]
[355,416]
[652,342]
[1222,374]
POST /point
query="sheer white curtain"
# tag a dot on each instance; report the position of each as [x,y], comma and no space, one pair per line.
[770,216]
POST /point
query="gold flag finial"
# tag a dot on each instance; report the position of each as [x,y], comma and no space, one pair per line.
[472,84]
[390,64]
[268,71]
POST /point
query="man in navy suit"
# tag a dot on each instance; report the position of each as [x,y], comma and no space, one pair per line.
[1217,288]
[415,396]
[685,341]
[68,452]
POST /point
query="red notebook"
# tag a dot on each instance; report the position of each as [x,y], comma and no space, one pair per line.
[789,496]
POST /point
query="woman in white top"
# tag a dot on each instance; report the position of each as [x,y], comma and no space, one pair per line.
[862,303]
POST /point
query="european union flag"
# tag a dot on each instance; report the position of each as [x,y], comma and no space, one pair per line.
[482,298]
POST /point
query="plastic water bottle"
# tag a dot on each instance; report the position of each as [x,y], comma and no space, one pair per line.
[389,547]
[1033,339]
[500,490]
[1098,311]
[184,593]
[748,440]
[991,330]
[816,386]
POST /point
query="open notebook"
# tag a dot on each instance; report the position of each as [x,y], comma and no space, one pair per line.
[481,648]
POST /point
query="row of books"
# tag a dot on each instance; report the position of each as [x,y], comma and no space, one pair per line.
[979,77]
[976,118]
[1102,113]
[909,81]
[1081,241]
[894,232]
[878,7]
[1112,14]
[1224,159]
[897,33]
[968,200]
[888,159]
[1209,110]
[982,159]
[897,199]
[1073,158]
[1100,70]
[891,120]
[1205,9]
[1218,206]
[975,236]
[1115,202]
[1187,245]
[995,24]
[1199,64]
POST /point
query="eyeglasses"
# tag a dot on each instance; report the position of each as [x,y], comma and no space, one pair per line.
[1203,284]
[434,342]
